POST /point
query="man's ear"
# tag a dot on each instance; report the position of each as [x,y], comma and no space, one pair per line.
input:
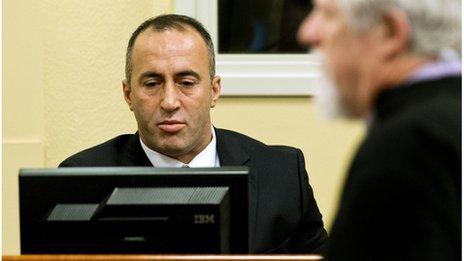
[215,90]
[126,89]
[396,33]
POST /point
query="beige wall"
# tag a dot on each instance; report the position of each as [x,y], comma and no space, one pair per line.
[62,71]
[23,107]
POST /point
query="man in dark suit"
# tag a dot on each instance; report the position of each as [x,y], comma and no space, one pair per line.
[171,86]
[395,64]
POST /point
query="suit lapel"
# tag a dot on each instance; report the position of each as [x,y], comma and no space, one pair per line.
[134,154]
[232,153]
[229,150]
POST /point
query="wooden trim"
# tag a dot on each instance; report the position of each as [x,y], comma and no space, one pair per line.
[161,257]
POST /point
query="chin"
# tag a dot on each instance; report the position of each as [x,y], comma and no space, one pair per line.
[173,150]
[169,146]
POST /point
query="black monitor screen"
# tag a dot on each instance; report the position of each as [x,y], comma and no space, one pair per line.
[129,210]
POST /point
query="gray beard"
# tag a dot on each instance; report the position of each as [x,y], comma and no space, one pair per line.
[328,99]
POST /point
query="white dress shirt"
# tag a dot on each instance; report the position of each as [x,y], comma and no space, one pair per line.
[206,158]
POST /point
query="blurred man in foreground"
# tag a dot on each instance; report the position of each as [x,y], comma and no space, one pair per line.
[395,63]
[171,87]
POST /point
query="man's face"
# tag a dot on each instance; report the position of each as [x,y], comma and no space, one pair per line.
[171,92]
[347,53]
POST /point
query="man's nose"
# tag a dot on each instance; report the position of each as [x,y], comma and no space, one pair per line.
[170,100]
[308,33]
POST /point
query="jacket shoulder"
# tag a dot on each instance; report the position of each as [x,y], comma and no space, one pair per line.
[104,154]
[256,146]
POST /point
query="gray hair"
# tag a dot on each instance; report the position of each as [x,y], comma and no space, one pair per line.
[435,24]
[170,22]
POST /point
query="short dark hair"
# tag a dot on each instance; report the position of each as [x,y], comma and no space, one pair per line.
[167,22]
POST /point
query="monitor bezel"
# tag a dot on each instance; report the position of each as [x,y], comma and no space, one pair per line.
[40,189]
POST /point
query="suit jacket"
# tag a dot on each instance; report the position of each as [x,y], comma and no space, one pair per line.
[284,217]
[402,198]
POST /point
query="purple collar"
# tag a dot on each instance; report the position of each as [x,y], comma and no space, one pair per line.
[435,70]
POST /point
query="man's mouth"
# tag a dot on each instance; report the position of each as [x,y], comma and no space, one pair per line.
[171,126]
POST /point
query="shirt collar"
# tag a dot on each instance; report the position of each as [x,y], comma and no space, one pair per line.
[448,64]
[206,158]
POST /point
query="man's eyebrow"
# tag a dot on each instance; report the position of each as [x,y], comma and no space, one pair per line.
[188,73]
[150,74]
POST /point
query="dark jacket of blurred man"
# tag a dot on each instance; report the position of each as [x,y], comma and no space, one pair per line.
[171,87]
[397,64]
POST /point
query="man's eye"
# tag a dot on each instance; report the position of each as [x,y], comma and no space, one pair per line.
[152,84]
[187,83]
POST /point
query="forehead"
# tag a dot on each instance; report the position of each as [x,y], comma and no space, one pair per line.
[170,42]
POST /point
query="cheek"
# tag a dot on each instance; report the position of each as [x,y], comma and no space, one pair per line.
[344,70]
[344,59]
[145,107]
[198,106]
[341,69]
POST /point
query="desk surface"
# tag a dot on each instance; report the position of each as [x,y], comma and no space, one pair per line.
[162,257]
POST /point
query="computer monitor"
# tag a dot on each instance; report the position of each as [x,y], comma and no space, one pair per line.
[134,210]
